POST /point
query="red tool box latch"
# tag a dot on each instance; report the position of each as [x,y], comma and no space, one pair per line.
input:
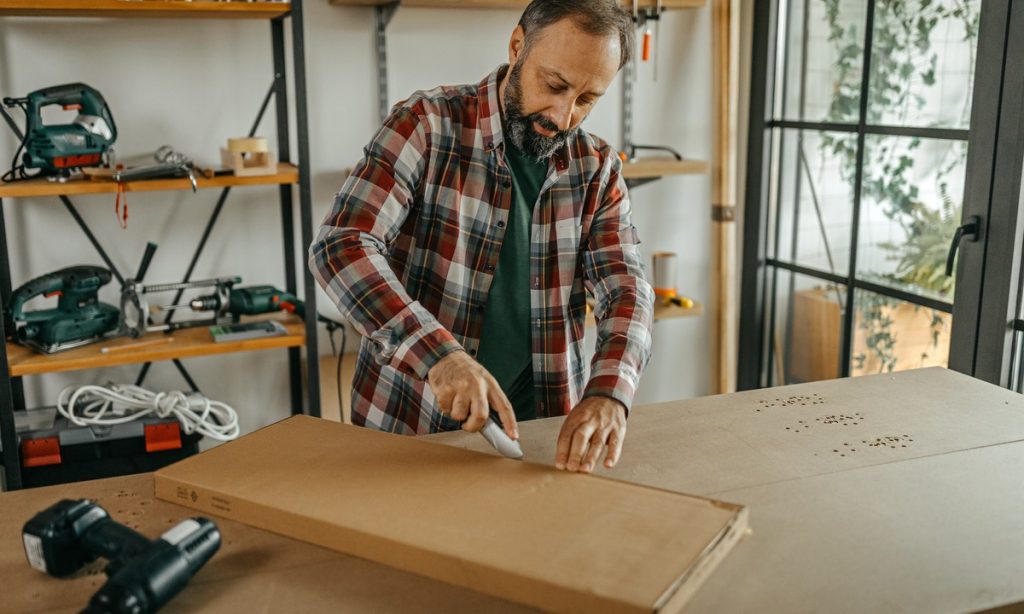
[165,436]
[40,452]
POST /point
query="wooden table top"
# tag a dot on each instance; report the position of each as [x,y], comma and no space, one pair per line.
[885,493]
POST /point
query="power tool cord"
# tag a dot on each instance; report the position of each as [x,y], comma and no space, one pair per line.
[17,171]
[105,406]
[333,325]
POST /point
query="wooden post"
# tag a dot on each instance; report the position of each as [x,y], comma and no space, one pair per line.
[725,46]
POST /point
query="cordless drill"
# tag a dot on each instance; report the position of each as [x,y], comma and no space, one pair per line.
[142,575]
[251,300]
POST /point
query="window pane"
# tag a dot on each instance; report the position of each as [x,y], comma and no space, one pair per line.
[808,329]
[816,199]
[892,335]
[820,74]
[922,62]
[911,205]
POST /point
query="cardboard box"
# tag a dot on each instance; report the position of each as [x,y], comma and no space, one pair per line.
[520,531]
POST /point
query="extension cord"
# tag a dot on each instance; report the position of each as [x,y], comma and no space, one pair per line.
[92,405]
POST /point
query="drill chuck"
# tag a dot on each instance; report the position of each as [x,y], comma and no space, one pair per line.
[205,303]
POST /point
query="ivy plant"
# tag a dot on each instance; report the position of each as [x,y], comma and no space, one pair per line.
[902,51]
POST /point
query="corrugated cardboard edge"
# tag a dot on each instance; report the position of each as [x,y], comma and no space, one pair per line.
[419,561]
[683,589]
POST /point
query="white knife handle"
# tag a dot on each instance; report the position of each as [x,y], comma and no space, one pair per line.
[496,436]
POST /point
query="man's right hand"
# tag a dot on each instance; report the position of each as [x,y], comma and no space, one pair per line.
[467,392]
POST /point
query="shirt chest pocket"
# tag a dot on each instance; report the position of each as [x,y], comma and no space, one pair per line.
[568,235]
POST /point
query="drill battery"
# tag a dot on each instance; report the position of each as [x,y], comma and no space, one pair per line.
[55,451]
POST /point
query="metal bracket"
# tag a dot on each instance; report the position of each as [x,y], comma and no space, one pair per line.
[723,213]
[636,183]
[640,18]
[382,17]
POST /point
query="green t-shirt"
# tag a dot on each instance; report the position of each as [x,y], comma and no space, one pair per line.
[506,348]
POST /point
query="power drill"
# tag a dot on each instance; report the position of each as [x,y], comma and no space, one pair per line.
[142,575]
[251,300]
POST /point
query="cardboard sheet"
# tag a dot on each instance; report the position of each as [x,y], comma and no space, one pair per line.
[523,532]
[714,445]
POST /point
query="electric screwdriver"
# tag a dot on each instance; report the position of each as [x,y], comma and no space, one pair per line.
[142,574]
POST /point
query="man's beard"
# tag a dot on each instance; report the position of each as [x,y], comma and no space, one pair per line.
[519,128]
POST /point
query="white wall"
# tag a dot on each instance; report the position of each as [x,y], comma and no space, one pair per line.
[193,84]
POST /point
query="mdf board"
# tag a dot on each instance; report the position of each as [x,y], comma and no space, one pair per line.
[523,532]
[718,444]
[937,534]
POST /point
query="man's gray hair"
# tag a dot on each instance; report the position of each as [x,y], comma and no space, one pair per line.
[596,17]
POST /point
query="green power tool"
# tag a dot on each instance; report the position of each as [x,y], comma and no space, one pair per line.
[79,318]
[251,300]
[58,149]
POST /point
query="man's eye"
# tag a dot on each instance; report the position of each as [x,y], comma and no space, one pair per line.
[585,102]
[558,89]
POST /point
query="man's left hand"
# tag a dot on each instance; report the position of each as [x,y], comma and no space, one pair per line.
[595,425]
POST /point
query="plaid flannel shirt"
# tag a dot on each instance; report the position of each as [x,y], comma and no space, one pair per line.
[409,249]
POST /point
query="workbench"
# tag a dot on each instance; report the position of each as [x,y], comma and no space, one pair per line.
[885,493]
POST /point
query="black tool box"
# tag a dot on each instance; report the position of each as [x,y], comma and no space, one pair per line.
[54,451]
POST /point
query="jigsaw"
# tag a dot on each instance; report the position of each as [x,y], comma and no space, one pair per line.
[57,149]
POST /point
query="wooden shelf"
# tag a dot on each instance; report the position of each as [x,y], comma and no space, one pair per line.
[144,8]
[286,173]
[661,166]
[187,343]
[661,312]
[511,4]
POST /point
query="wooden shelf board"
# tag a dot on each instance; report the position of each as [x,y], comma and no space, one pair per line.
[511,4]
[286,173]
[187,343]
[143,8]
[662,312]
[660,166]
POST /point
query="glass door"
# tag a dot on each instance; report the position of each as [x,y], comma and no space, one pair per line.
[865,118]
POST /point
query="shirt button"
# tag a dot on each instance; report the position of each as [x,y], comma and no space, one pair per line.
[472,352]
[479,308]
[490,144]
[490,268]
[500,224]
[506,183]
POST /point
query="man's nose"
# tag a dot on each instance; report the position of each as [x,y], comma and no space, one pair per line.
[562,115]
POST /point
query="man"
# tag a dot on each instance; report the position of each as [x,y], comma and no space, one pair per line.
[464,243]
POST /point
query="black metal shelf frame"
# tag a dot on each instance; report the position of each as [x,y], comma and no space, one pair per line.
[12,395]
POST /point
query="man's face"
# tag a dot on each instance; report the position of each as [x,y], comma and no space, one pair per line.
[550,90]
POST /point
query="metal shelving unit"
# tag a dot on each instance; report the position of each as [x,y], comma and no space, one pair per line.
[17,362]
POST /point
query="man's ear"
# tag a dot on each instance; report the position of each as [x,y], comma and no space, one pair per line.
[516,45]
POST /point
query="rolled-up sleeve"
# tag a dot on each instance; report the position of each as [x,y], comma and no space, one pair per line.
[624,299]
[348,258]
